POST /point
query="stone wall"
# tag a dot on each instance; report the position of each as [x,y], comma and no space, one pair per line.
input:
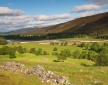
[38,71]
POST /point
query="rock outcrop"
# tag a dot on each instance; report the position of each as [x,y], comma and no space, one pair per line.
[39,71]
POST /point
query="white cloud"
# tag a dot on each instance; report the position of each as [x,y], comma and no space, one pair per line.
[86,14]
[53,17]
[5,11]
[23,17]
[99,1]
[38,18]
[88,7]
[9,23]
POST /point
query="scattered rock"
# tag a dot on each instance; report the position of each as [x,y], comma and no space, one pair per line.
[39,71]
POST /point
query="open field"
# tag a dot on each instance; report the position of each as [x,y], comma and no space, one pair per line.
[46,47]
[77,71]
[9,78]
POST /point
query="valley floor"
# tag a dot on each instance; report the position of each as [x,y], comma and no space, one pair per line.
[79,72]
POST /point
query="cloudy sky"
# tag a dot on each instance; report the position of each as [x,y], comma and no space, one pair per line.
[17,14]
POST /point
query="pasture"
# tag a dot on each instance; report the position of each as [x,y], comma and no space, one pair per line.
[77,71]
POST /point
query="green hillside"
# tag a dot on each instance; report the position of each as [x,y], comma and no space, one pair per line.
[85,25]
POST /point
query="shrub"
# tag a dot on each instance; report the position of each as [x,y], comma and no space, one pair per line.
[3,41]
[39,51]
[12,55]
[55,49]
[62,44]
[52,43]
[33,50]
[61,57]
[76,54]
[102,59]
[66,43]
[45,53]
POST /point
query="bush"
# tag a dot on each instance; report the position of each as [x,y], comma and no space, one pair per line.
[66,53]
[76,54]
[39,51]
[66,43]
[95,47]
[55,49]
[12,55]
[45,53]
[61,57]
[52,43]
[82,45]
[83,55]
[3,41]
[61,44]
[20,49]
[102,59]
[33,50]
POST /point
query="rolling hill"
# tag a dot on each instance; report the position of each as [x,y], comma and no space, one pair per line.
[85,25]
[24,31]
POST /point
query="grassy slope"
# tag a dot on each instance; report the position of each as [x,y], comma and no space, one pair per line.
[84,25]
[9,78]
[77,71]
[73,69]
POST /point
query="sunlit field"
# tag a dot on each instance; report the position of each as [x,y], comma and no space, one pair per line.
[77,71]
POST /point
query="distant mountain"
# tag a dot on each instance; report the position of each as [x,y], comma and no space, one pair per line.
[84,25]
[25,31]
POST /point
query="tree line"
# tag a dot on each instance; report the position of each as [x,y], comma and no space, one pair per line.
[44,36]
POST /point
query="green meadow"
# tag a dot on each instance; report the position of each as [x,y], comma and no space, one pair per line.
[77,71]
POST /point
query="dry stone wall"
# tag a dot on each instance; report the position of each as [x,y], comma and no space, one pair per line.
[38,71]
